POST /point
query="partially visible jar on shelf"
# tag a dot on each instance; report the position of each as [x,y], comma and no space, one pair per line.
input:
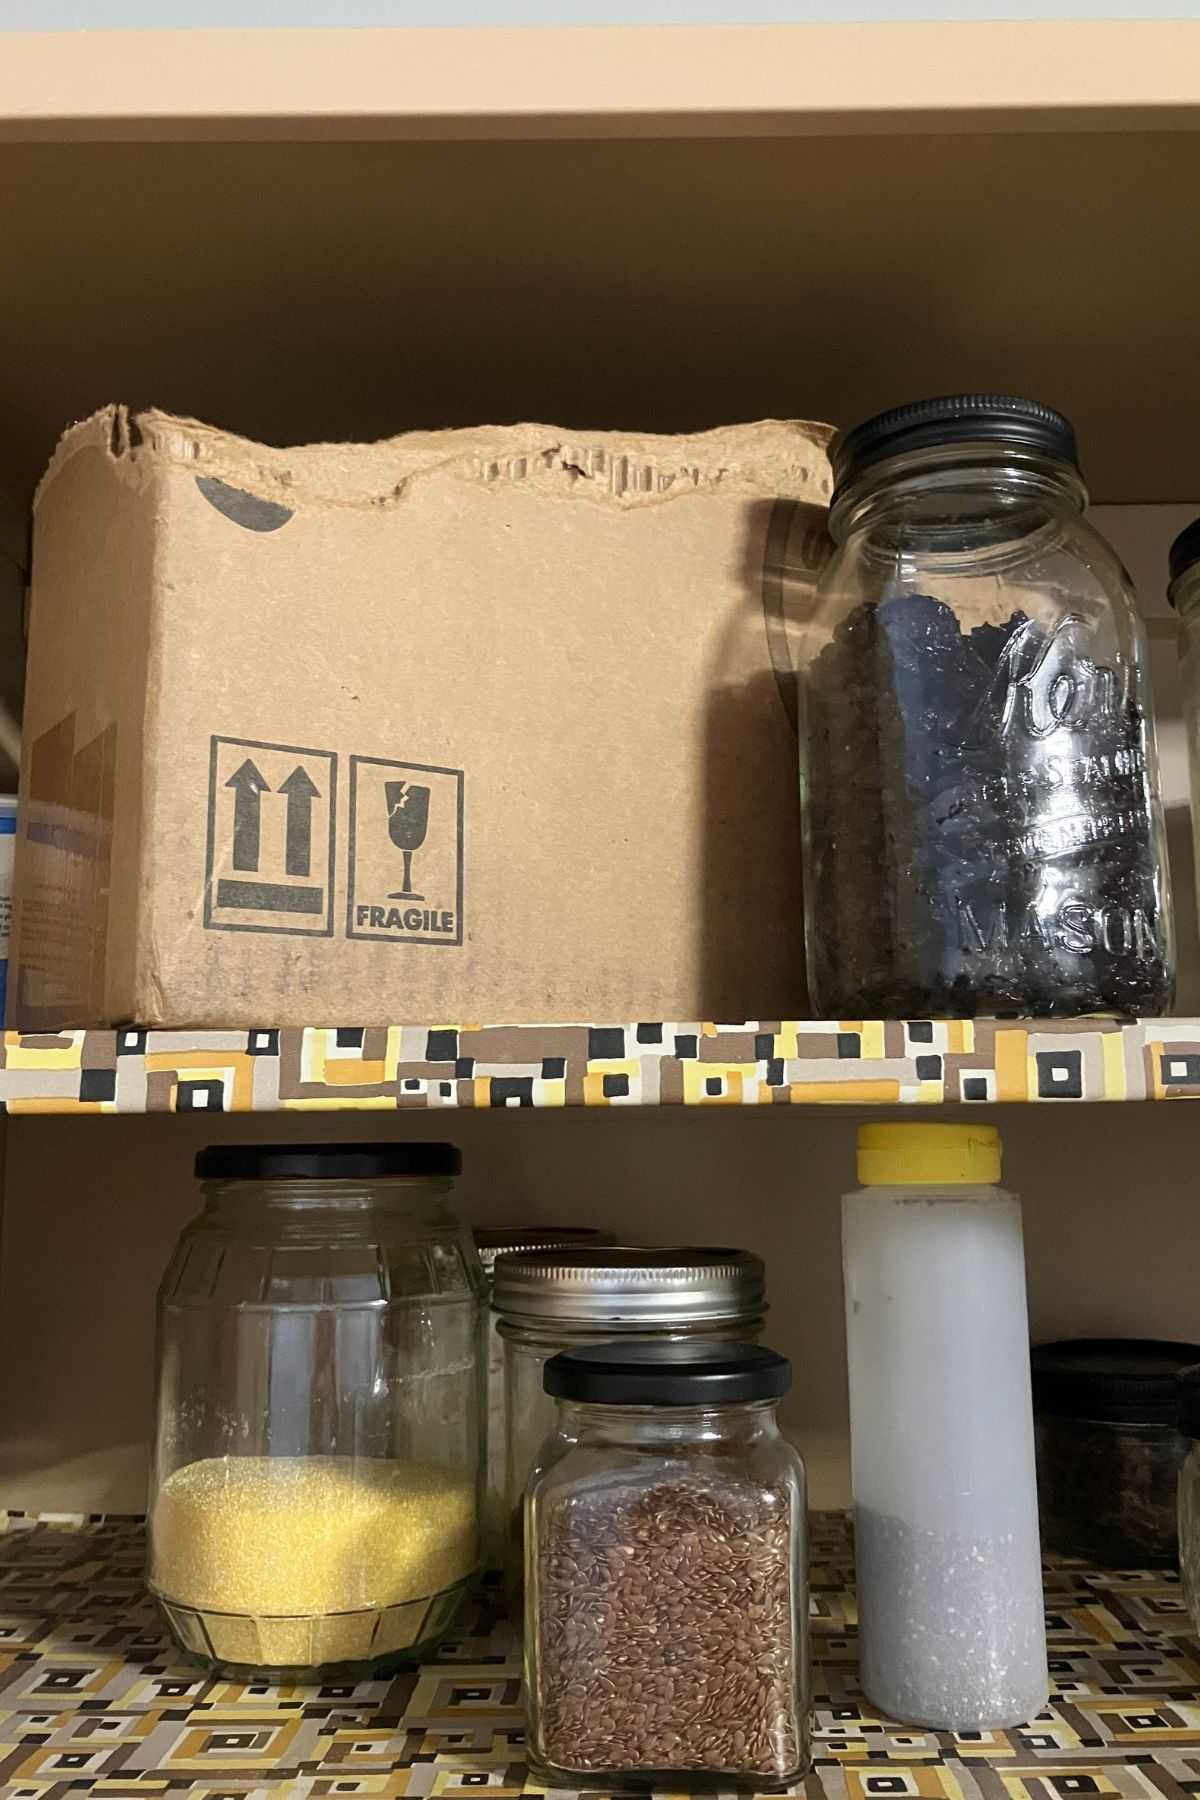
[666,1623]
[492,1241]
[1189,1492]
[982,815]
[1110,1448]
[318,1452]
[555,1301]
[1183,592]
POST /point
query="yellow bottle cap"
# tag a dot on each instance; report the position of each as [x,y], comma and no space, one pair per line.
[891,1155]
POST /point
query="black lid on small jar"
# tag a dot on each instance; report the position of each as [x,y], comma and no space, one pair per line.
[1183,555]
[953,419]
[325,1162]
[643,1373]
[1122,1381]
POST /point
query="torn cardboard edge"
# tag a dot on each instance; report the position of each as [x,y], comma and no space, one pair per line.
[774,457]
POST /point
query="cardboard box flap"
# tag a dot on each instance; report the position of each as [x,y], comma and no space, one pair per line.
[778,458]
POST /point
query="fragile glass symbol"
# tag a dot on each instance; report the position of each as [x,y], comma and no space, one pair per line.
[408,822]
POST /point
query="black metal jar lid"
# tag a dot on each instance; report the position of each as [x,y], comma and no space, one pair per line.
[952,419]
[326,1162]
[1120,1381]
[642,1373]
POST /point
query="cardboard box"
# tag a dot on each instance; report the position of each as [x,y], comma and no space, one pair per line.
[466,726]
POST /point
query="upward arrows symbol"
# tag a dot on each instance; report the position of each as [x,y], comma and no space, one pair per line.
[249,787]
[301,792]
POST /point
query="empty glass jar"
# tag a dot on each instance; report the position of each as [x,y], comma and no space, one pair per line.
[557,1300]
[493,1241]
[666,1623]
[318,1454]
[983,827]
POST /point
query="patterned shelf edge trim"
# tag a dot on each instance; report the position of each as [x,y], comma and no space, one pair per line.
[849,1062]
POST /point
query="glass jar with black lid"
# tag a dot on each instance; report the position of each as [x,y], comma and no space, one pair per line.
[666,1624]
[982,818]
[1110,1447]
[318,1451]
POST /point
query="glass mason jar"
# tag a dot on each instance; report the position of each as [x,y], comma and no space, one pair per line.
[666,1621]
[1184,595]
[318,1452]
[555,1301]
[982,819]
[506,1240]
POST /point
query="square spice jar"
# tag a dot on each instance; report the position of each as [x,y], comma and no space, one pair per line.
[666,1624]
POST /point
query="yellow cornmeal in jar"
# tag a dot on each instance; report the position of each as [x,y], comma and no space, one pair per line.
[258,1536]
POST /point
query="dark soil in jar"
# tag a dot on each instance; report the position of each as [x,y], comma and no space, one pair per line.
[666,1639]
[1108,1491]
[980,822]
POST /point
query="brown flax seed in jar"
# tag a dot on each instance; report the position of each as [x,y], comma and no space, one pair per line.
[666,1592]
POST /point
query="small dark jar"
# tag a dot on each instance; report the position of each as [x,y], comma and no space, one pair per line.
[1109,1448]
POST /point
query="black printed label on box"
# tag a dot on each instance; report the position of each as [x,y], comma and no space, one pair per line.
[272,838]
[406,852]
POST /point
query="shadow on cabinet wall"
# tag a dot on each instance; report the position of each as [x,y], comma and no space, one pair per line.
[93,1207]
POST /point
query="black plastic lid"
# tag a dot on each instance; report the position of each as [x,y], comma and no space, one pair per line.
[1128,1381]
[1184,552]
[643,1373]
[325,1162]
[952,419]
[1189,1401]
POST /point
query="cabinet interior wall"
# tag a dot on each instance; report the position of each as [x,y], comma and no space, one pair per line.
[301,290]
[93,1208]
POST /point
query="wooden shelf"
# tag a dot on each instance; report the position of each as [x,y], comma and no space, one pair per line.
[600,80]
[97,1701]
[435,1068]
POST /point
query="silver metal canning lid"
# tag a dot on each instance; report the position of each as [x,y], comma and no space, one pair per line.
[624,1286]
[492,1241]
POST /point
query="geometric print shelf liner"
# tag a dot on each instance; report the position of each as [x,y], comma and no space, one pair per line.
[857,1062]
[93,1700]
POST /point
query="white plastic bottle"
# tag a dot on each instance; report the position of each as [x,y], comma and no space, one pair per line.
[951,1618]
